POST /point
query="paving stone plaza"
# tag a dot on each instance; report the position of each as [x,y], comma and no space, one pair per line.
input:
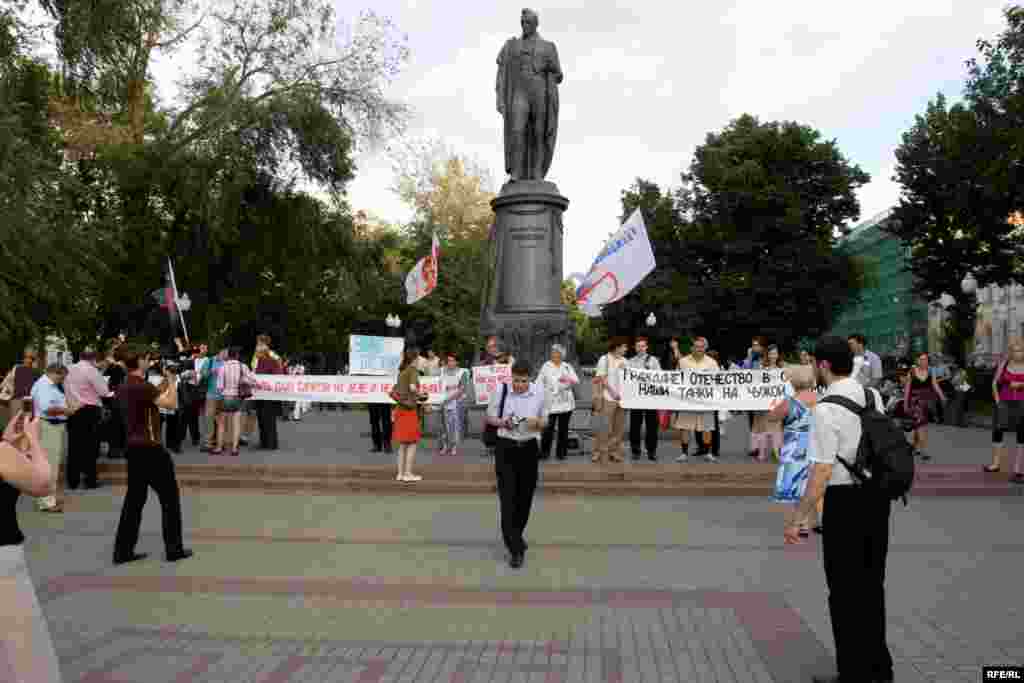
[291,587]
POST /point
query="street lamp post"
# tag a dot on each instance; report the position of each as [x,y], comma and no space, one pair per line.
[969,286]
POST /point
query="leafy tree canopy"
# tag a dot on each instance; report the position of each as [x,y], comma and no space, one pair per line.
[746,245]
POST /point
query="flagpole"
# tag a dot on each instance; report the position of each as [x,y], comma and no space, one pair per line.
[177,306]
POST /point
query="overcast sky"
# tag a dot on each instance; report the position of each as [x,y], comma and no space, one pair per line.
[645,81]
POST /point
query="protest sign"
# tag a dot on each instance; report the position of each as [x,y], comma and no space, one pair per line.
[337,388]
[487,379]
[375,355]
[700,390]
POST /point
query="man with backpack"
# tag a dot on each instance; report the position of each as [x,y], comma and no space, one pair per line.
[861,462]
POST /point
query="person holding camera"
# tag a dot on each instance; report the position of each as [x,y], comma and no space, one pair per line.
[520,414]
[148,462]
[24,468]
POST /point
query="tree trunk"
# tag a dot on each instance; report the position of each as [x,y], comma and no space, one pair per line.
[137,108]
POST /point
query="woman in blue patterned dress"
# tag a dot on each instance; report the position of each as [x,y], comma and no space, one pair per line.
[797,417]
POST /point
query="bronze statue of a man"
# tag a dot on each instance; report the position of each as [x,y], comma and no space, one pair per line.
[527,88]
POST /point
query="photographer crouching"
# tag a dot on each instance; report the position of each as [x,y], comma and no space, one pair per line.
[520,416]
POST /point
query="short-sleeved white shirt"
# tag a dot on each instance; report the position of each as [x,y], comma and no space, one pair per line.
[837,431]
[530,403]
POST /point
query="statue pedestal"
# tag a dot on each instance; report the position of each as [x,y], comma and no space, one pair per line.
[523,306]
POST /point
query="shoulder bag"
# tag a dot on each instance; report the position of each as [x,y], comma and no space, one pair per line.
[490,435]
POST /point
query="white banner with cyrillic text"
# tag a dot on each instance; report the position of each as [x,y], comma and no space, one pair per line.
[336,388]
[487,379]
[702,390]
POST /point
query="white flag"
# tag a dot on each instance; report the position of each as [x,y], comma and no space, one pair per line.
[422,279]
[623,263]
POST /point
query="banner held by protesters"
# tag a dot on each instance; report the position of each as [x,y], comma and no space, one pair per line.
[700,391]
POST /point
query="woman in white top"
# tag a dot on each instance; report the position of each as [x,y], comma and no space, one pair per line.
[457,389]
[558,378]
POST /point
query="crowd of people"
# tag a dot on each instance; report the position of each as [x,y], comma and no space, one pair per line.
[815,434]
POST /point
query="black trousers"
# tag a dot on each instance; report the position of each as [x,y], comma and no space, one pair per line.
[266,417]
[637,420]
[83,445]
[855,550]
[716,438]
[558,423]
[173,432]
[516,465]
[380,425]
[190,420]
[149,466]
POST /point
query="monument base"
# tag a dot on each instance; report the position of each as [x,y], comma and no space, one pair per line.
[523,306]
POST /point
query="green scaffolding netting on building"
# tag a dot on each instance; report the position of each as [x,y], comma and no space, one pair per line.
[894,321]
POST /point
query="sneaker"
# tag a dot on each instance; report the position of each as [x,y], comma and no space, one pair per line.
[710,457]
[683,458]
[413,477]
[400,477]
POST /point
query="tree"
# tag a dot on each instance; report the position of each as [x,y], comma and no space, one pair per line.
[953,220]
[445,187]
[450,196]
[746,245]
[48,259]
[221,183]
[253,51]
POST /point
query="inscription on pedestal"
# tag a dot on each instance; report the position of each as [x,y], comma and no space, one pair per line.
[529,237]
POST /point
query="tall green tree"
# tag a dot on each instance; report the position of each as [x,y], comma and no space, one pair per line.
[747,244]
[48,258]
[953,220]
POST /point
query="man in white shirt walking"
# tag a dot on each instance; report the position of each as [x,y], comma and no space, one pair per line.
[520,412]
[856,531]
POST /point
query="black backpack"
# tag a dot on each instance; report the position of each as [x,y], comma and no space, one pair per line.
[883,450]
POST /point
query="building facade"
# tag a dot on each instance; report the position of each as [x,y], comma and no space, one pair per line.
[894,320]
[1000,319]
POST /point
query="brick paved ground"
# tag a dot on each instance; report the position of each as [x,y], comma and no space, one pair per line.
[359,588]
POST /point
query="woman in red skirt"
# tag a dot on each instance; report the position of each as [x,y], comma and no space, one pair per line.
[405,416]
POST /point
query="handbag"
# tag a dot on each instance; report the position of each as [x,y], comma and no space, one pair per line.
[244,390]
[490,435]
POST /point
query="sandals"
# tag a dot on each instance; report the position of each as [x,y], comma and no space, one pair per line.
[217,451]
